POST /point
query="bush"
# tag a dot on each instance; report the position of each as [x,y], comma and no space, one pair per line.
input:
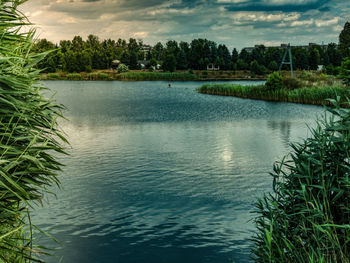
[274,81]
[122,68]
[345,72]
[306,218]
[291,83]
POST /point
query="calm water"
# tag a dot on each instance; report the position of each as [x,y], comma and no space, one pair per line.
[159,174]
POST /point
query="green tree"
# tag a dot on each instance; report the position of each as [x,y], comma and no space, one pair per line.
[234,56]
[273,66]
[181,60]
[169,63]
[256,68]
[133,60]
[344,40]
[314,58]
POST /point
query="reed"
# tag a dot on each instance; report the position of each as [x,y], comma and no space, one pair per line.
[29,136]
[307,216]
[305,95]
[143,76]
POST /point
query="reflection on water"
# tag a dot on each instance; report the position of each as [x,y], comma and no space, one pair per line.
[163,175]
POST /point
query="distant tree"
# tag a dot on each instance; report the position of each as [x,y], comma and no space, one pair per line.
[344,40]
[334,54]
[172,48]
[158,51]
[181,60]
[256,68]
[273,66]
[133,46]
[77,44]
[241,64]
[153,63]
[234,56]
[133,60]
[245,56]
[93,42]
[125,58]
[169,63]
[314,58]
[301,58]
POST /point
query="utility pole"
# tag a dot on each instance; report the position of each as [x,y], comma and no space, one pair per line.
[288,50]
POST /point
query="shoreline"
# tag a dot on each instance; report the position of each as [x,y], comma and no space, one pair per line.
[196,75]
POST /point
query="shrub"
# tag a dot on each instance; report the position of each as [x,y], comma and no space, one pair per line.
[345,72]
[274,81]
[306,218]
[291,83]
[122,68]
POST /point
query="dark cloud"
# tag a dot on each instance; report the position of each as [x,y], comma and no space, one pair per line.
[284,6]
[237,23]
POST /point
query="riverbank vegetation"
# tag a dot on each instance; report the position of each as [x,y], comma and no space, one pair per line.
[29,137]
[124,76]
[306,218]
[308,88]
[78,55]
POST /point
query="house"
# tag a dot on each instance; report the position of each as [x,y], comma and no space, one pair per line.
[211,66]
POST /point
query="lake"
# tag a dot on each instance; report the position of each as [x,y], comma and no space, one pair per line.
[158,174]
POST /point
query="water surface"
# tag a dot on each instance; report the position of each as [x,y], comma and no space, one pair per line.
[158,174]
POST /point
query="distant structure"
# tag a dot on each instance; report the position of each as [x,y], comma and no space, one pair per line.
[283,46]
[288,50]
[211,66]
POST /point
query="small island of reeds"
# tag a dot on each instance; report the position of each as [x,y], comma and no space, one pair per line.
[307,88]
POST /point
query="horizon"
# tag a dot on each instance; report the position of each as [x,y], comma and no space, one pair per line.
[251,22]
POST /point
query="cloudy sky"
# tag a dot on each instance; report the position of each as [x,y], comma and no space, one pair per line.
[237,23]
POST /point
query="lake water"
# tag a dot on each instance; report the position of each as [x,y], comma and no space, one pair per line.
[158,174]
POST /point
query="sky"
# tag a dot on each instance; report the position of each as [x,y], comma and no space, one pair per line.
[236,23]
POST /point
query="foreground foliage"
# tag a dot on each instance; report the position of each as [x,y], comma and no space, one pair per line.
[307,217]
[28,136]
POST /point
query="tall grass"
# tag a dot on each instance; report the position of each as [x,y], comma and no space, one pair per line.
[139,76]
[313,95]
[28,136]
[307,216]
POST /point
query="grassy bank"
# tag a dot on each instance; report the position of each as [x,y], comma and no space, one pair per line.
[113,75]
[305,95]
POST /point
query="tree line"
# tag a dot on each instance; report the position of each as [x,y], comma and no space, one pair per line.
[78,55]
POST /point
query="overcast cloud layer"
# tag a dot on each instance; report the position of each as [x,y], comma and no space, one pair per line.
[237,23]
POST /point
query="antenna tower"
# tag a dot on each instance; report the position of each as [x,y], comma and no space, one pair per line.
[287,50]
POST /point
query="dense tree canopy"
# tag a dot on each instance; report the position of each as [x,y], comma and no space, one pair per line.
[78,55]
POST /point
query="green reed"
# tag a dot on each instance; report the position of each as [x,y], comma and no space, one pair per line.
[307,216]
[306,95]
[140,76]
[29,136]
